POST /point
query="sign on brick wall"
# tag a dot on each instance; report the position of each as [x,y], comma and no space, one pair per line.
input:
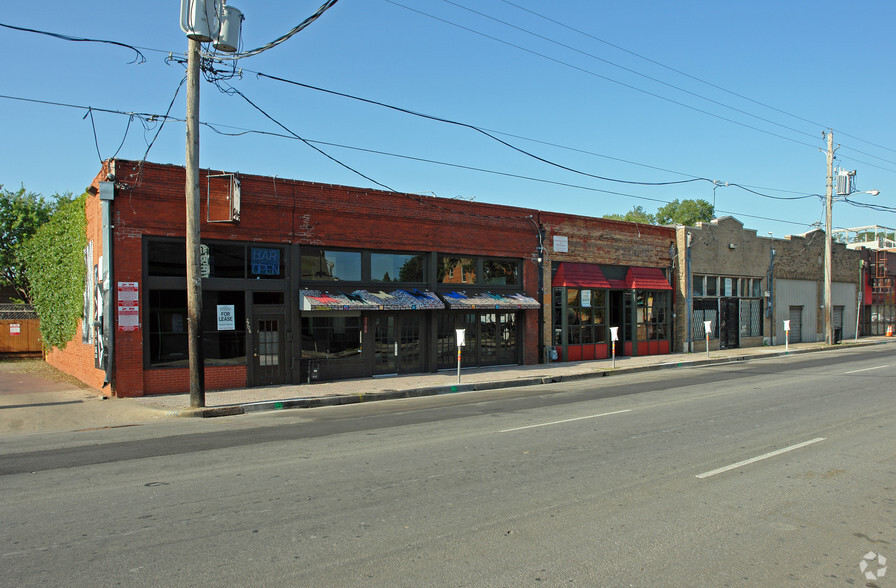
[561,244]
[128,306]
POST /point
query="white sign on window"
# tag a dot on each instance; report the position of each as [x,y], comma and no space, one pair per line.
[586,298]
[561,244]
[226,318]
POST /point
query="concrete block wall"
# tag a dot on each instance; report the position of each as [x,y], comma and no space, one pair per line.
[721,247]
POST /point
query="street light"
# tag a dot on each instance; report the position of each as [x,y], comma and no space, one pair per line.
[844,188]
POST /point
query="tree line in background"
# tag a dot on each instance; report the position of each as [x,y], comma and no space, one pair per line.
[677,212]
[42,245]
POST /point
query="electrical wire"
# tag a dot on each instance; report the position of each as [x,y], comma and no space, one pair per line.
[482,131]
[298,28]
[231,90]
[629,86]
[292,136]
[687,75]
[139,58]
[137,177]
[597,75]
[629,70]
[515,148]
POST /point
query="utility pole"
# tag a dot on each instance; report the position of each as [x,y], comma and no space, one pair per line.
[829,198]
[194,277]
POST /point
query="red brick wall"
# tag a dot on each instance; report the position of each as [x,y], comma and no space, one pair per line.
[602,241]
[149,201]
[78,358]
[177,381]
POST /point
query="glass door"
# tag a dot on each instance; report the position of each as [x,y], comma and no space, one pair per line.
[397,343]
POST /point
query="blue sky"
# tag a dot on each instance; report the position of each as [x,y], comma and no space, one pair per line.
[610,89]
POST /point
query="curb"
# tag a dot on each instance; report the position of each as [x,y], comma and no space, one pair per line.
[342,399]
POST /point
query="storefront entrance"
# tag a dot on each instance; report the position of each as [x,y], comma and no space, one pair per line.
[397,343]
[268,351]
[728,323]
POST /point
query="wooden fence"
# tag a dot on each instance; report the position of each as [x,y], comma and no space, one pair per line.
[19,330]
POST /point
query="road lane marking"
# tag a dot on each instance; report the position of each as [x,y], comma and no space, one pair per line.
[866,369]
[740,464]
[593,416]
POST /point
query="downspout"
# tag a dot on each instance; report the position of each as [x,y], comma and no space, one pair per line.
[540,260]
[770,311]
[689,284]
[107,195]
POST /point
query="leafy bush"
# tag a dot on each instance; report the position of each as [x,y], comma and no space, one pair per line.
[54,262]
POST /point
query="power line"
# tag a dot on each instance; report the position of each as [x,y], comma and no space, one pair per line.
[139,58]
[478,130]
[293,136]
[630,86]
[296,29]
[597,75]
[232,90]
[687,75]
[627,69]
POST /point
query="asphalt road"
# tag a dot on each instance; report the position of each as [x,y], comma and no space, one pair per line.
[763,473]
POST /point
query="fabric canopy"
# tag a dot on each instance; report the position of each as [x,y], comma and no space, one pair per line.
[646,278]
[588,275]
[482,300]
[580,275]
[367,300]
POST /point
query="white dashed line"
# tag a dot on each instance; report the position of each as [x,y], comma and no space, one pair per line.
[740,464]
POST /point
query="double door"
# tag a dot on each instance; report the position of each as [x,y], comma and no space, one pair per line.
[397,343]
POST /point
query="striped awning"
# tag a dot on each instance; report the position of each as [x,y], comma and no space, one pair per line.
[369,300]
[486,300]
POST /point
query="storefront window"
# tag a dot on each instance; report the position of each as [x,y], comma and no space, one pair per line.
[652,314]
[397,267]
[223,326]
[331,337]
[222,261]
[501,272]
[166,258]
[697,289]
[586,316]
[320,264]
[457,270]
[266,263]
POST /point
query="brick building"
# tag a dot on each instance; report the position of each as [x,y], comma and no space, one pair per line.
[305,281]
[603,274]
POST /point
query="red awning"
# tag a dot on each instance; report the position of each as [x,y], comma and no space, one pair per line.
[646,278]
[580,275]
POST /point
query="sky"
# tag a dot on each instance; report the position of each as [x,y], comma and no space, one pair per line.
[573,106]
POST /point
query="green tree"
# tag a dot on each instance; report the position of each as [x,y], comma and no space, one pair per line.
[21,213]
[685,212]
[635,215]
[54,262]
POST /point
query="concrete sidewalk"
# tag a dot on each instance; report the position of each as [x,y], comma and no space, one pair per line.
[241,401]
[42,400]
